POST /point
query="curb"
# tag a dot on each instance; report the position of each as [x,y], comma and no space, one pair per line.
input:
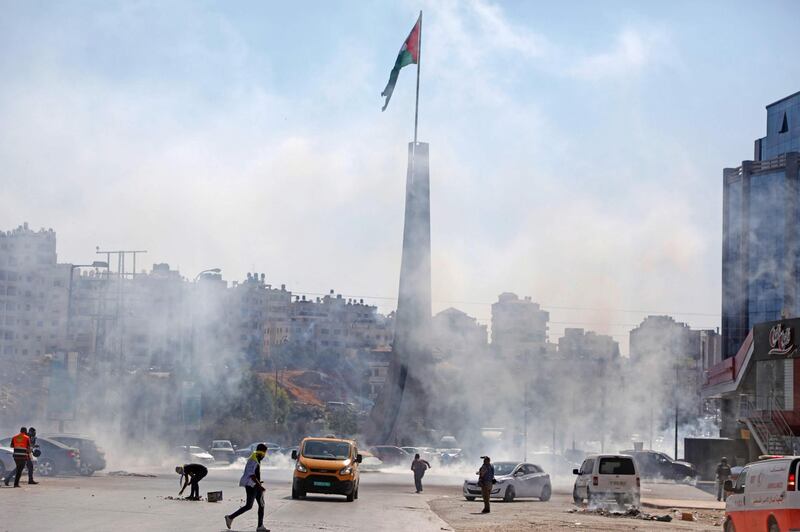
[688,505]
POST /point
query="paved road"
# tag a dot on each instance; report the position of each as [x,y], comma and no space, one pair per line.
[387,502]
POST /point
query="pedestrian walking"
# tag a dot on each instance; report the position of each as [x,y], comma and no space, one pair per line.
[251,482]
[419,466]
[723,474]
[486,481]
[191,474]
[22,453]
[34,447]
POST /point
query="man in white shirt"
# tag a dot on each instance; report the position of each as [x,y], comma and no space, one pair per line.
[251,482]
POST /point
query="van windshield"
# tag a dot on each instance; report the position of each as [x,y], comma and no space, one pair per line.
[326,450]
[617,466]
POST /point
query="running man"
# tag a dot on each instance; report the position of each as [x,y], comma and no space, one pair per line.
[251,482]
[419,466]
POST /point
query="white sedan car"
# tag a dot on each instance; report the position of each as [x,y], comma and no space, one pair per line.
[514,480]
[7,463]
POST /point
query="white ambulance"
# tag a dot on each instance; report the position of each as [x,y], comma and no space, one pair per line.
[764,497]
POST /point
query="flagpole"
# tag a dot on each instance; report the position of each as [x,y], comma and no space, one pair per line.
[419,60]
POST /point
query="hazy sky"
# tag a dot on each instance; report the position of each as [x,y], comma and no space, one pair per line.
[576,147]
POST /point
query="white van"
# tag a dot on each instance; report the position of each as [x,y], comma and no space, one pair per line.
[764,497]
[607,476]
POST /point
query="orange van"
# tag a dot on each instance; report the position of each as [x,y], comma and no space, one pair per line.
[326,465]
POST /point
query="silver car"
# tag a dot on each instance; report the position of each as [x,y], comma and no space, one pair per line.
[7,463]
[514,480]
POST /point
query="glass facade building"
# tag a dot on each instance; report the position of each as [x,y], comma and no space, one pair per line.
[761,233]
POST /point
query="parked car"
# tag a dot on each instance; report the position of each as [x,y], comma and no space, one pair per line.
[426,453]
[653,464]
[7,463]
[558,465]
[272,448]
[193,454]
[391,455]
[93,458]
[450,456]
[370,462]
[222,451]
[56,458]
[287,451]
[514,480]
[764,496]
[605,476]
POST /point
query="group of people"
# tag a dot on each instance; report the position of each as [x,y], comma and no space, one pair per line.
[23,445]
[485,477]
[192,474]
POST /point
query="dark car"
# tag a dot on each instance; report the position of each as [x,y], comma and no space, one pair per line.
[93,458]
[391,455]
[655,465]
[222,451]
[56,458]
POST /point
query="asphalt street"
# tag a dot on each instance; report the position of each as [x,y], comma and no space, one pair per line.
[387,502]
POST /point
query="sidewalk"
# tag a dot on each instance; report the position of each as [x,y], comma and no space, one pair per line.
[671,495]
[683,503]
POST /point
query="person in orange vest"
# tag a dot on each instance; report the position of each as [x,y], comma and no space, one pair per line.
[22,453]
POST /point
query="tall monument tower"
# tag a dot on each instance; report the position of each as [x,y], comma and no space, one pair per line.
[400,412]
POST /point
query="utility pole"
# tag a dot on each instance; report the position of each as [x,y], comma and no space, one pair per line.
[676,410]
[525,426]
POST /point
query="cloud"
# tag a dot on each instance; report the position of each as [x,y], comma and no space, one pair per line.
[633,51]
[234,170]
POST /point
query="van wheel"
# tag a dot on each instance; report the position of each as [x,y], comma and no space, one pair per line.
[728,526]
[575,497]
[773,526]
[351,496]
[545,493]
[509,496]
[355,495]
[295,495]
[470,499]
[589,499]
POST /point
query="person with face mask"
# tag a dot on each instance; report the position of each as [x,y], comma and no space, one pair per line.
[251,482]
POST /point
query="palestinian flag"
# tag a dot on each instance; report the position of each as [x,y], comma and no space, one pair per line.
[409,55]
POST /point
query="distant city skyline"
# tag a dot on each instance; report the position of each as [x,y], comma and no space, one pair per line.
[576,150]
